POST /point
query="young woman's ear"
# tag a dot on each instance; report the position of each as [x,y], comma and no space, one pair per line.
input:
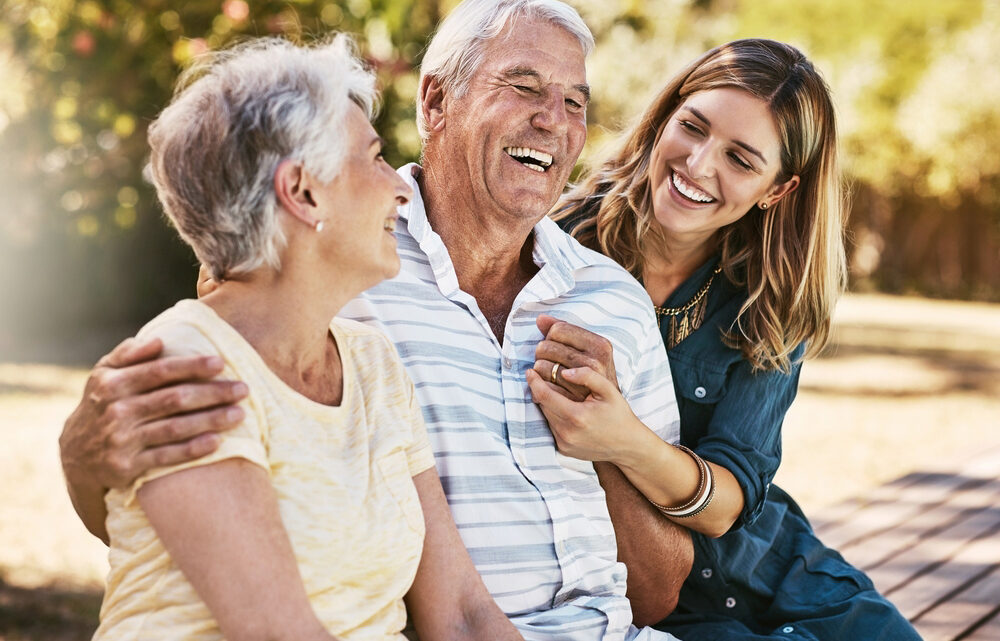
[779,191]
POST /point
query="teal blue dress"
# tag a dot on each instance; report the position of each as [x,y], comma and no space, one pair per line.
[769,577]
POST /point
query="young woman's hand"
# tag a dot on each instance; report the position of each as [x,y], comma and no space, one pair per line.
[601,427]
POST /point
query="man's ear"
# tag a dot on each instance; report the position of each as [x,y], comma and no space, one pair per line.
[432,103]
[291,186]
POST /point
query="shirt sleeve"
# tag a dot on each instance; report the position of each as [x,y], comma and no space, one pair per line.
[650,393]
[247,441]
[419,456]
[744,433]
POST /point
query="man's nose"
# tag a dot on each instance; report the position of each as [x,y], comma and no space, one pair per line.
[551,113]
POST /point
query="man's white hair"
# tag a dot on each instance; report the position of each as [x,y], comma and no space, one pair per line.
[456,51]
[235,115]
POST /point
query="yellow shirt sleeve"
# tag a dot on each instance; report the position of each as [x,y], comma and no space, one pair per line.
[248,440]
[419,455]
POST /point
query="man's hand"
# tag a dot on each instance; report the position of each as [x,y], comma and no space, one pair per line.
[141,411]
[572,347]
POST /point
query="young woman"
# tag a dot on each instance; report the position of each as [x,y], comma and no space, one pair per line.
[322,511]
[724,200]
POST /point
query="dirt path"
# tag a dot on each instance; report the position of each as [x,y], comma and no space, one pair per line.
[908,383]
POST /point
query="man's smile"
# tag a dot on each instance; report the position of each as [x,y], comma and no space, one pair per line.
[530,158]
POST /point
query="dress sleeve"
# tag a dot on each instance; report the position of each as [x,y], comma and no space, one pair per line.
[744,433]
[247,441]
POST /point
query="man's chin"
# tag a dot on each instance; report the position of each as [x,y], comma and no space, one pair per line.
[527,203]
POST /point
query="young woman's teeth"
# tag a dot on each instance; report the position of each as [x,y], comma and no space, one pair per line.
[530,158]
[690,191]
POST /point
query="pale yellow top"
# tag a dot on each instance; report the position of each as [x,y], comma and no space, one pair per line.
[343,476]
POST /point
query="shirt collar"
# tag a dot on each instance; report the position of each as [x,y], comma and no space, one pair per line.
[556,253]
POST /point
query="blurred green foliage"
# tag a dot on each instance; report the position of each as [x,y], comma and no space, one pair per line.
[83,243]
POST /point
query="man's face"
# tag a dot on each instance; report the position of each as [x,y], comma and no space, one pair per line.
[513,138]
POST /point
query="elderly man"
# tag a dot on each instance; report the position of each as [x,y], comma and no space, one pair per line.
[502,106]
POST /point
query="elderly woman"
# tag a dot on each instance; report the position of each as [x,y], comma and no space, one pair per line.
[322,512]
[724,200]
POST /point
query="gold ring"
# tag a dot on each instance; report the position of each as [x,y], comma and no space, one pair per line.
[554,374]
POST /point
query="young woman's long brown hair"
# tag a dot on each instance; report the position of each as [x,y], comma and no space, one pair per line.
[791,255]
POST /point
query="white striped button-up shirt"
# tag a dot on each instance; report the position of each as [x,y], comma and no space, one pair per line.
[535,522]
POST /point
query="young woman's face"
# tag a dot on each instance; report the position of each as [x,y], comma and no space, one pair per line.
[718,155]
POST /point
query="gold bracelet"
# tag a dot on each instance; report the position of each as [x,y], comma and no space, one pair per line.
[702,496]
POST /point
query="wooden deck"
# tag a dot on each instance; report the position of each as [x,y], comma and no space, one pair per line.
[931,543]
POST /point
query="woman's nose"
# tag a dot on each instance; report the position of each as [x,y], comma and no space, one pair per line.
[699,161]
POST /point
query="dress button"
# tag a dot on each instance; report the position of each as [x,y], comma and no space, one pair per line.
[706,573]
[788,629]
[730,602]
[700,392]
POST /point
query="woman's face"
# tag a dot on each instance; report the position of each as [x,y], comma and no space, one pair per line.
[718,155]
[359,205]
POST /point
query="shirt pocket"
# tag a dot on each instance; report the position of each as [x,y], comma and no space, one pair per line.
[698,383]
[819,576]
[396,476]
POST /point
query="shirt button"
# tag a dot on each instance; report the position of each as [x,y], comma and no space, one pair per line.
[730,602]
[788,629]
[706,573]
[700,392]
[506,362]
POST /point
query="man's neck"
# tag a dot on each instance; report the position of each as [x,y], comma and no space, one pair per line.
[492,255]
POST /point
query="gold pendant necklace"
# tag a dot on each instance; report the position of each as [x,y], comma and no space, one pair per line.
[686,318]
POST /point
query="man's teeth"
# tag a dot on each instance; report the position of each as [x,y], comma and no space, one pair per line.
[389,224]
[690,191]
[531,158]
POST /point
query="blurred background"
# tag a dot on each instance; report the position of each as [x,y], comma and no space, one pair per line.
[86,256]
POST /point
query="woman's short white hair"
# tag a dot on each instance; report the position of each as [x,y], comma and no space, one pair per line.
[235,115]
[456,51]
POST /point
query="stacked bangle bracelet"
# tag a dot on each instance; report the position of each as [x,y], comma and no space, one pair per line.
[702,497]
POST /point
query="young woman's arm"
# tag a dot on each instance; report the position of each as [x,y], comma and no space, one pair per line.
[603,428]
[221,525]
[448,600]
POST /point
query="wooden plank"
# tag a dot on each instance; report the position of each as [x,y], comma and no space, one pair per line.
[893,508]
[930,552]
[836,515]
[962,612]
[895,502]
[969,565]
[989,631]
[879,548]
[983,465]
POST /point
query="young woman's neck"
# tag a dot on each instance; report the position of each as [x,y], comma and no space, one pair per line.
[668,262]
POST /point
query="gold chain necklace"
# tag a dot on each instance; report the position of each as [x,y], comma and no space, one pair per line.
[686,318]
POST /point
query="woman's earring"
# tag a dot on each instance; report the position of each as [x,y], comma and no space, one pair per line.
[318,225]
[763,205]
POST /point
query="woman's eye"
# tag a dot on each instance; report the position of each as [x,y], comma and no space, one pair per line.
[739,161]
[690,127]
